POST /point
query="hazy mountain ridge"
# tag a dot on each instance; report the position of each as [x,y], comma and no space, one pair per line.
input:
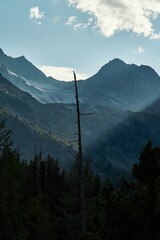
[58,120]
[27,77]
[111,135]
[22,67]
[122,86]
[116,85]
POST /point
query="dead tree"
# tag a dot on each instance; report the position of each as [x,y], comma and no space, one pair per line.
[80,168]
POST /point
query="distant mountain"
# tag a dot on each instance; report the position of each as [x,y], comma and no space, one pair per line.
[116,85]
[27,77]
[60,119]
[122,86]
[28,108]
[21,83]
[123,101]
[22,67]
[41,125]
[20,110]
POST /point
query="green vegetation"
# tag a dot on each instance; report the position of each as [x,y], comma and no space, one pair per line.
[39,200]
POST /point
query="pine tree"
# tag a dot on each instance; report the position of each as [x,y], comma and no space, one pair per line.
[11,190]
[147,174]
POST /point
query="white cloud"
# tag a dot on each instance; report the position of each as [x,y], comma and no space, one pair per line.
[112,16]
[140,50]
[61,73]
[71,20]
[77,26]
[36,15]
[155,36]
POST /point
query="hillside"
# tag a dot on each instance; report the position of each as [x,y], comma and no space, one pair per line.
[30,139]
[122,101]
[122,145]
[55,121]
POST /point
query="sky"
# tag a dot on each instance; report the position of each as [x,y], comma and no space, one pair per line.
[59,36]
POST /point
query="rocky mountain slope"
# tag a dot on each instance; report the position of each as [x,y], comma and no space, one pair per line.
[123,101]
[27,77]
[116,85]
[52,124]
[122,86]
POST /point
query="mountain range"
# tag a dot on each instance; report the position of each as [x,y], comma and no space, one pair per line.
[123,100]
[116,85]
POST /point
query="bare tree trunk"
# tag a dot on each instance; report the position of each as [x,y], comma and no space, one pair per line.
[80,162]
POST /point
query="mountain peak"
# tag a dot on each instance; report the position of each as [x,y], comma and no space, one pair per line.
[117,61]
[22,58]
[112,65]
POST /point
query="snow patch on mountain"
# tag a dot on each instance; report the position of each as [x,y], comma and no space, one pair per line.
[11,73]
[48,93]
[114,102]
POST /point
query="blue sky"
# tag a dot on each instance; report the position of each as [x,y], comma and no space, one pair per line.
[61,35]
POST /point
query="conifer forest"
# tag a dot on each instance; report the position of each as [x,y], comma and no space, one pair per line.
[39,200]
